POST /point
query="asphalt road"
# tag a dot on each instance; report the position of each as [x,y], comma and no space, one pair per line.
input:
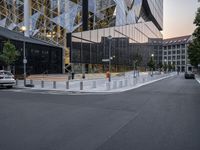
[161,116]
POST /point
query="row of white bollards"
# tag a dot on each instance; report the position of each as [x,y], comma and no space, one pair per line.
[115,84]
[81,85]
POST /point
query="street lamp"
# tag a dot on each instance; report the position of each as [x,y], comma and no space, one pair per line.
[23,29]
[165,65]
[152,58]
[110,38]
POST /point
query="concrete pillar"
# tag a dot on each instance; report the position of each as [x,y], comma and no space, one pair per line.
[108,86]
[27,17]
[120,84]
[16,82]
[54,84]
[31,82]
[114,84]
[81,85]
[94,84]
[42,84]
[67,85]
[126,82]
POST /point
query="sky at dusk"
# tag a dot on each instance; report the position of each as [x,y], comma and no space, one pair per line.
[178,17]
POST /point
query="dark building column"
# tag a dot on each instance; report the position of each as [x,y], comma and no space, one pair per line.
[69,43]
[85,14]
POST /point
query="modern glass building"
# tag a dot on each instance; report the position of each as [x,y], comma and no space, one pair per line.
[82,28]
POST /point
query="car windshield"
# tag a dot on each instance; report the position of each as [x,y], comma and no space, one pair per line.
[5,73]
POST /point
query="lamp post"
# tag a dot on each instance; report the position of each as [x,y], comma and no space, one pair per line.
[23,28]
[165,64]
[152,57]
[110,38]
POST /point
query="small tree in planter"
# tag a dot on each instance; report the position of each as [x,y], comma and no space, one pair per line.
[165,67]
[160,66]
[151,65]
[173,67]
[170,67]
[9,54]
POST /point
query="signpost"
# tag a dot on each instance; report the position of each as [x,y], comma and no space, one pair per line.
[105,60]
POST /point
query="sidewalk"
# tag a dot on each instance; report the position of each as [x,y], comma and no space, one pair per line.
[197,77]
[118,83]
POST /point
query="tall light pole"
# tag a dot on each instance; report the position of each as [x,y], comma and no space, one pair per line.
[110,40]
[152,57]
[165,64]
[23,28]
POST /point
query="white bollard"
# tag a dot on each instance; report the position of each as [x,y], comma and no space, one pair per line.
[67,85]
[16,83]
[126,83]
[42,84]
[120,84]
[143,80]
[108,86]
[31,82]
[81,85]
[94,84]
[114,84]
[54,84]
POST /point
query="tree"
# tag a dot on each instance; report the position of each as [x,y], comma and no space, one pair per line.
[165,66]
[160,66]
[170,67]
[173,67]
[151,64]
[137,60]
[9,54]
[194,46]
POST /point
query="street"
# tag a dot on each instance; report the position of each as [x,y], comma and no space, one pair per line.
[164,115]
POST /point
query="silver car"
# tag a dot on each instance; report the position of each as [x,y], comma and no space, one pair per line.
[6,79]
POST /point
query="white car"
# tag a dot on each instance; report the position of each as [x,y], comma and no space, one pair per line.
[6,79]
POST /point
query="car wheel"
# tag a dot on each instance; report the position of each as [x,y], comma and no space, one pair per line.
[9,87]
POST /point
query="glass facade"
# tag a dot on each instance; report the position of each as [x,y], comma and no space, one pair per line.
[41,58]
[131,23]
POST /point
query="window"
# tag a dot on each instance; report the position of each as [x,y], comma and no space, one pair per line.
[183,56]
[182,45]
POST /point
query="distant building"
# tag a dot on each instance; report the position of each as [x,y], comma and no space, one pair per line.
[175,51]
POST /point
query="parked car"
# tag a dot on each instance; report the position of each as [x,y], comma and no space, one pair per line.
[6,79]
[189,75]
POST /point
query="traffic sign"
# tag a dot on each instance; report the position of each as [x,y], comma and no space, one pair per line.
[105,60]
